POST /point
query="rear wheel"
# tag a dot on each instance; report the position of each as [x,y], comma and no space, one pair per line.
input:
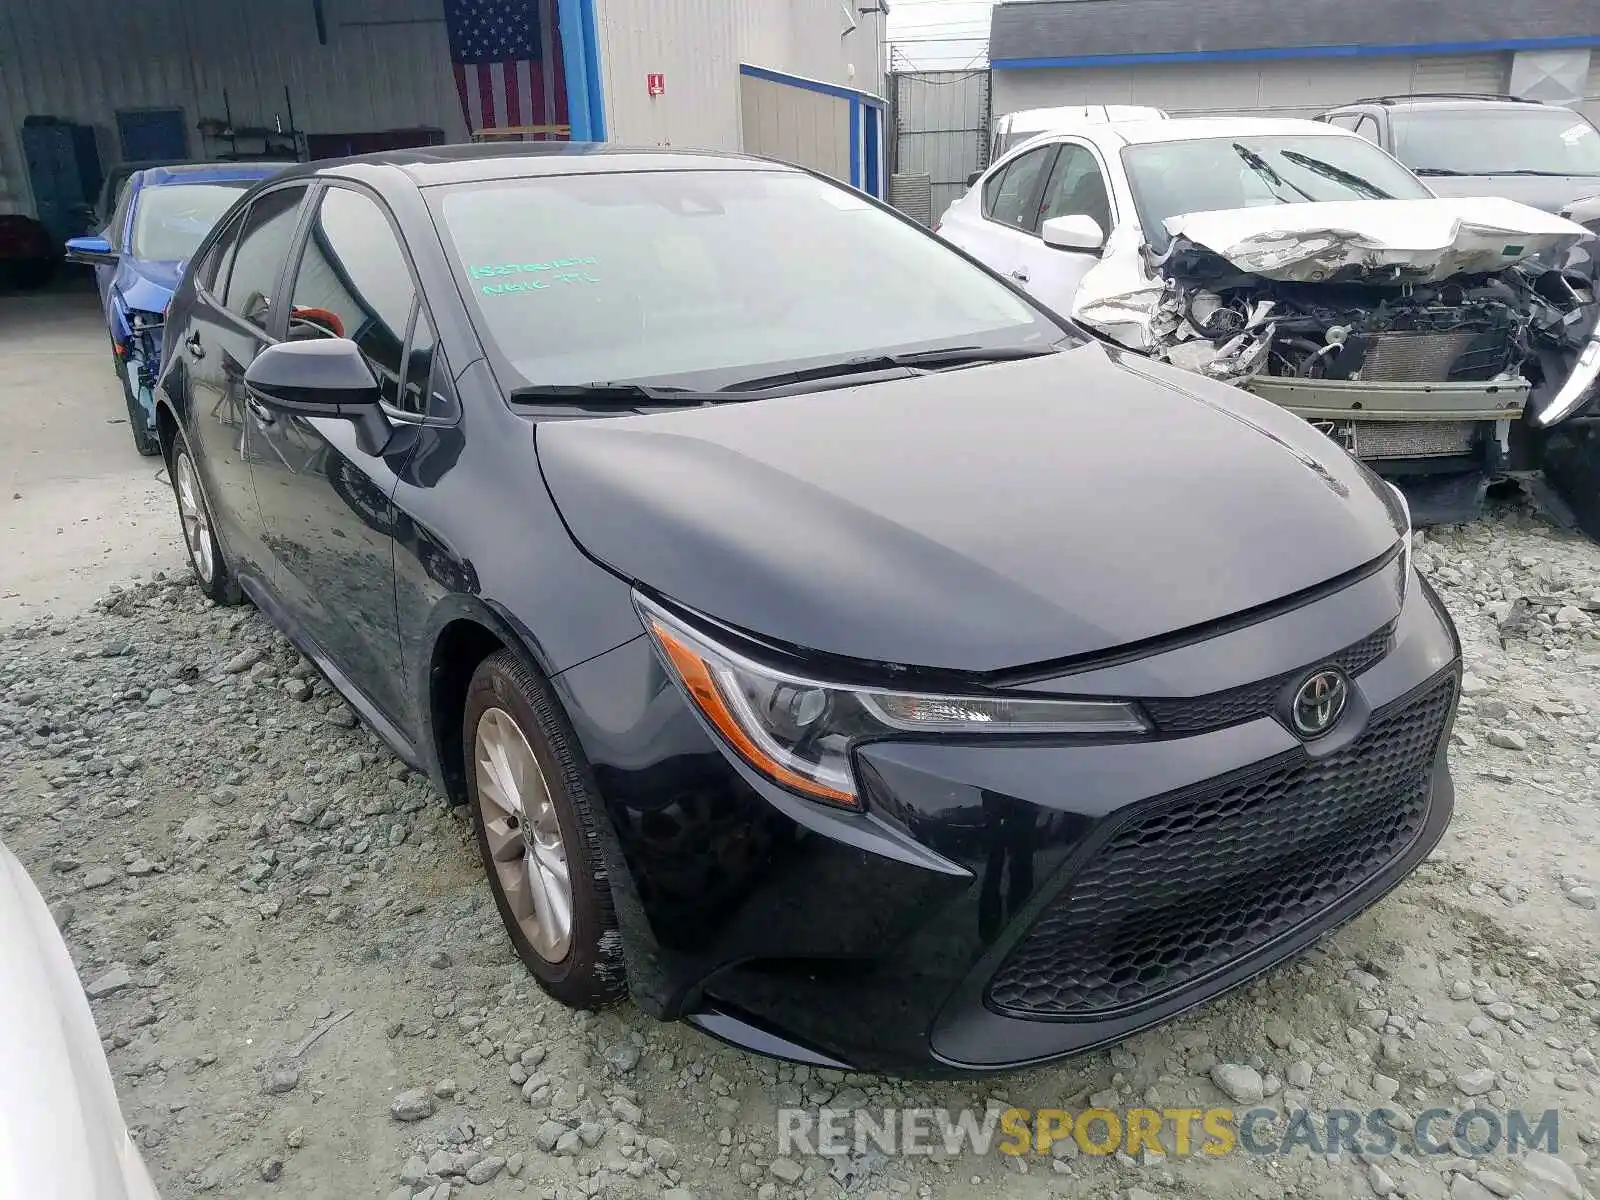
[533,811]
[206,559]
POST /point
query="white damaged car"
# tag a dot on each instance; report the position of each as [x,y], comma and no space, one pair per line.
[62,1135]
[1444,341]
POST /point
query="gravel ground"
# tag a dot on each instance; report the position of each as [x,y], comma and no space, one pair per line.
[304,989]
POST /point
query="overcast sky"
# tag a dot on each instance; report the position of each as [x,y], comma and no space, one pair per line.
[933,34]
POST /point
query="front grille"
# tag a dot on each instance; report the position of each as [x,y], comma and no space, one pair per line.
[1192,884]
[1250,701]
[1412,439]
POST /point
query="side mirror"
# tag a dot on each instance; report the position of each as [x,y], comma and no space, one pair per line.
[1076,231]
[328,377]
[92,250]
[974,177]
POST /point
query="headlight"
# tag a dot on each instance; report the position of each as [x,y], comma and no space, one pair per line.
[798,732]
[1405,540]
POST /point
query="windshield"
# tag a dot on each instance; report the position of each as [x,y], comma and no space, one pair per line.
[170,221]
[701,276]
[1496,141]
[1209,174]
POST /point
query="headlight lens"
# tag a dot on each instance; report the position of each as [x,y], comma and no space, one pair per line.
[798,732]
[1405,540]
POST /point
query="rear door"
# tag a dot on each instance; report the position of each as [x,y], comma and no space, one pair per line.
[995,217]
[325,501]
[229,326]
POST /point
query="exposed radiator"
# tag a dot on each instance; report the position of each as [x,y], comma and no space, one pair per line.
[1410,439]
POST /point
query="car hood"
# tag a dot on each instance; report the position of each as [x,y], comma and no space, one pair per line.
[62,1135]
[1549,193]
[1418,241]
[145,285]
[971,520]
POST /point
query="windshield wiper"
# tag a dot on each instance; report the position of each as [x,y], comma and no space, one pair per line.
[1338,174]
[1264,169]
[612,395]
[1436,171]
[926,360]
[1547,174]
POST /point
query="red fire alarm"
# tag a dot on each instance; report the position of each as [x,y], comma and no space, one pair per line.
[657,84]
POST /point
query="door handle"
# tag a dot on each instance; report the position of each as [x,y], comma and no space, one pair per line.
[193,346]
[259,410]
[1020,275]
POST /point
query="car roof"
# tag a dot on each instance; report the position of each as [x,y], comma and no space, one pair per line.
[427,166]
[1186,129]
[1047,119]
[1447,100]
[208,172]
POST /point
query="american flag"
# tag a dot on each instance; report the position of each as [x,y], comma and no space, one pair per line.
[507,57]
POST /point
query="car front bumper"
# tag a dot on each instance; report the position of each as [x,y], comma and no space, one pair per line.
[1001,904]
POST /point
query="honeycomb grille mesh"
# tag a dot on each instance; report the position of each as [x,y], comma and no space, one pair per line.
[1189,887]
[1250,701]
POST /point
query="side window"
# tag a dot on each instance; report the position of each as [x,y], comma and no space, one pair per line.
[1014,191]
[353,282]
[417,389]
[1367,127]
[263,249]
[117,234]
[1076,186]
[1344,120]
[213,273]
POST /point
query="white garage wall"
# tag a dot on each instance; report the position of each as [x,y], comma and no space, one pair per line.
[1289,88]
[699,44]
[386,66]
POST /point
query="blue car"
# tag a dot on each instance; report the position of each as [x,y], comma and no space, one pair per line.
[161,215]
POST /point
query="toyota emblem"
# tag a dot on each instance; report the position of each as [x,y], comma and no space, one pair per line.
[1319,702]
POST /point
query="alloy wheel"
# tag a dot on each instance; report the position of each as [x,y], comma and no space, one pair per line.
[196,522]
[524,834]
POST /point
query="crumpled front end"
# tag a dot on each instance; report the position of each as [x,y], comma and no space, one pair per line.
[1416,333]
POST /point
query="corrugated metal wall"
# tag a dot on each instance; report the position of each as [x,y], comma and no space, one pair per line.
[807,128]
[1302,87]
[699,45]
[694,43]
[941,128]
[386,65]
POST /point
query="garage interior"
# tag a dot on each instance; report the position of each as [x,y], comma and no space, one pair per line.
[89,84]
[94,84]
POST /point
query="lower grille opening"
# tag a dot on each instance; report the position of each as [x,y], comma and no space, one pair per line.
[1190,886]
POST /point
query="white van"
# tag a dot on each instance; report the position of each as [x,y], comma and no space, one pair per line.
[1015,128]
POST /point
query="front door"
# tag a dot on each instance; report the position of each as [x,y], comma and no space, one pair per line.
[230,326]
[326,502]
[1076,187]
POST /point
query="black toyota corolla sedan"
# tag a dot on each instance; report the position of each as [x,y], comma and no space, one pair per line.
[835,649]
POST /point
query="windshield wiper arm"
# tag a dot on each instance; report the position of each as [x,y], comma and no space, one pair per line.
[927,360]
[1264,169]
[612,395]
[1338,174]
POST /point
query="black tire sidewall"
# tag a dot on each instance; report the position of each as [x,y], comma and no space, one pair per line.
[589,976]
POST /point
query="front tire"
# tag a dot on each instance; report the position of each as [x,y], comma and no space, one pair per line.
[533,810]
[206,560]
